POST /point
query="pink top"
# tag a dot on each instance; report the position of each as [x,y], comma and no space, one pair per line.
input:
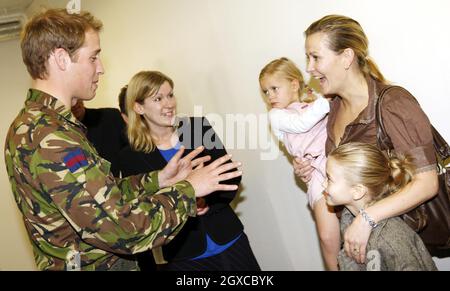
[310,145]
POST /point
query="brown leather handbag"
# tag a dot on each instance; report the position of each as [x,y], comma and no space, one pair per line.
[431,220]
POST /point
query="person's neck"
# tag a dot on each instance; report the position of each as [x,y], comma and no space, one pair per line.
[355,95]
[55,90]
[163,136]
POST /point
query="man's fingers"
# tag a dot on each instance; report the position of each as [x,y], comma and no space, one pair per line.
[200,161]
[227,167]
[219,161]
[199,166]
[178,155]
[223,187]
[194,153]
[228,176]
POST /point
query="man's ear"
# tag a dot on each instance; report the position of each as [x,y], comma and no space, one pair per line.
[348,57]
[359,191]
[61,58]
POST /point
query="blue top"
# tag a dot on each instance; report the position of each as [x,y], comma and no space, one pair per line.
[168,154]
[212,248]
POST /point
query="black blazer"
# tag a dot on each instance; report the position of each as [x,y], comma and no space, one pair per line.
[106,131]
[220,222]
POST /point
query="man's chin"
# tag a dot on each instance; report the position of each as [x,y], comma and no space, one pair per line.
[90,97]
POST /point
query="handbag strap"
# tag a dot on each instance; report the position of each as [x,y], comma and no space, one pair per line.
[442,148]
[383,140]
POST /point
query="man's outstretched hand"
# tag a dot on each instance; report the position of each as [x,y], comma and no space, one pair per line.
[206,179]
[177,169]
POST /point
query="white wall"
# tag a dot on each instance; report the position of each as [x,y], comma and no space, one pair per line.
[214,50]
[15,250]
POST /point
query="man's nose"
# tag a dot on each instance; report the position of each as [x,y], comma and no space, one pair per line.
[100,68]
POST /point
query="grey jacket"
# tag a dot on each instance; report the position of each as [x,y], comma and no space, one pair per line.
[392,246]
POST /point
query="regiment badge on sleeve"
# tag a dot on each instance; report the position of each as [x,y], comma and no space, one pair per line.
[75,160]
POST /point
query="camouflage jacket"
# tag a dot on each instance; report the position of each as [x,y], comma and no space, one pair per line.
[77,215]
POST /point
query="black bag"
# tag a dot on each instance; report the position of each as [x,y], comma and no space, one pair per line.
[431,220]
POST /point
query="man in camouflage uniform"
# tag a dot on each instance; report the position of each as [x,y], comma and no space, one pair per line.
[78,216]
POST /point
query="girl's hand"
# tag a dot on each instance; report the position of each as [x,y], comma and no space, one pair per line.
[303,169]
[356,238]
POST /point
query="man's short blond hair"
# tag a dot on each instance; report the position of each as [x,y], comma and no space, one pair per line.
[52,29]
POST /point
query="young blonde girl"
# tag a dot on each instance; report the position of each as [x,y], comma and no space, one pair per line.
[299,120]
[358,175]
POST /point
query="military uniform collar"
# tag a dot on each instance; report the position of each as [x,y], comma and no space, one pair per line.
[54,104]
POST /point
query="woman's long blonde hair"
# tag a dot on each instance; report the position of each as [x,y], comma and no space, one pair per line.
[286,69]
[143,85]
[344,32]
[367,165]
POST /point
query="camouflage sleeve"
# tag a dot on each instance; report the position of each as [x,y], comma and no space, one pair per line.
[77,181]
[134,186]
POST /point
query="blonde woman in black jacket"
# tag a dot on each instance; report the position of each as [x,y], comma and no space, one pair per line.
[215,239]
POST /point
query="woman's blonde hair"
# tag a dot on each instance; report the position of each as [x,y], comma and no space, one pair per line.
[367,165]
[344,32]
[143,85]
[286,69]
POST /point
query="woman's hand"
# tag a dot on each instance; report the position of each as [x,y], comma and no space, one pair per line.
[202,207]
[356,238]
[177,169]
[303,169]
